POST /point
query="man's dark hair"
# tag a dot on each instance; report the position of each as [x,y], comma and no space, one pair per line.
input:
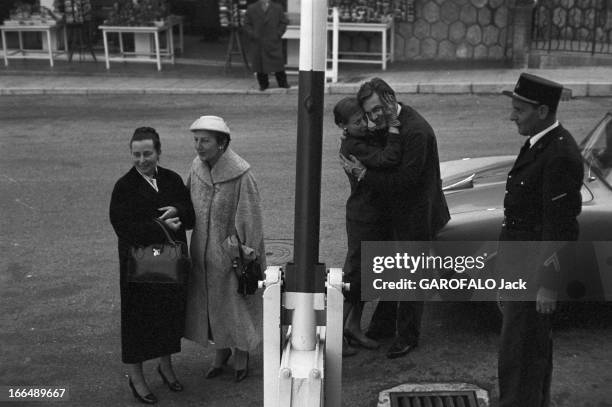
[147,133]
[374,85]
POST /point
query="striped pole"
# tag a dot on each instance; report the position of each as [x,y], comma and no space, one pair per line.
[313,42]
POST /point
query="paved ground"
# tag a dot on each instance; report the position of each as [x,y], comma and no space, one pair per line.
[59,158]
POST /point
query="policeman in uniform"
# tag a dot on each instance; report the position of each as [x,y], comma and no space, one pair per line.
[541,204]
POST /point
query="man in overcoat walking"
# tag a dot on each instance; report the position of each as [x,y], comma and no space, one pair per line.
[541,205]
[265,23]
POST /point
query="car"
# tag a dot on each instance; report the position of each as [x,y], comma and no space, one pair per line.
[474,189]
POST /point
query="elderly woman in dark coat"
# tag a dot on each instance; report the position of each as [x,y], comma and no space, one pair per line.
[265,23]
[152,315]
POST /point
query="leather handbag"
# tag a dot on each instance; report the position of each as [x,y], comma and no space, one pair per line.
[160,263]
[248,273]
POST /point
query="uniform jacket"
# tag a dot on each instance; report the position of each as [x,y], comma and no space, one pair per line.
[265,30]
[414,188]
[542,203]
[226,202]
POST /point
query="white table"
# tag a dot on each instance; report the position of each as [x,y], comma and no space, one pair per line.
[387,34]
[158,52]
[47,29]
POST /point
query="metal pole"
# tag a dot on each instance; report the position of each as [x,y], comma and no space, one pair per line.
[313,41]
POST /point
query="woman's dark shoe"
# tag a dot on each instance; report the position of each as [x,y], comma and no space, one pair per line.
[174,386]
[217,370]
[241,374]
[364,342]
[148,399]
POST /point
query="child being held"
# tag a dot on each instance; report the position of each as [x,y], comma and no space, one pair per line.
[370,148]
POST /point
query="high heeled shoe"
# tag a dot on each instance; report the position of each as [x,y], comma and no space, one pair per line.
[366,343]
[147,399]
[174,386]
[215,371]
[241,374]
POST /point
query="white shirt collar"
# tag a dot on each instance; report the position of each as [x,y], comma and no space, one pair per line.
[534,139]
[151,181]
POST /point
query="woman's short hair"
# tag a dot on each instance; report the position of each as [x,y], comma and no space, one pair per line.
[147,133]
[345,109]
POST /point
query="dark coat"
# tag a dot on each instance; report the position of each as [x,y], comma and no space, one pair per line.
[417,204]
[365,204]
[152,317]
[265,30]
[542,203]
[366,211]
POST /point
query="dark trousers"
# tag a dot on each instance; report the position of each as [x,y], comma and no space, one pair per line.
[401,318]
[264,82]
[525,356]
[398,317]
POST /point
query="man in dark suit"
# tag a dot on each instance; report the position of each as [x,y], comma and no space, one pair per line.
[541,204]
[413,191]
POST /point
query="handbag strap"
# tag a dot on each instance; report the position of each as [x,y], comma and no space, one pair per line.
[240,248]
[163,226]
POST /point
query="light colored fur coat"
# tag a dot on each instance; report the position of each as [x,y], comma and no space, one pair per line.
[226,201]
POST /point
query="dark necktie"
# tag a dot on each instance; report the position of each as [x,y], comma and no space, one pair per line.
[525,148]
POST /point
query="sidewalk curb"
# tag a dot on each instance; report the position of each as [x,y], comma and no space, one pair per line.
[585,89]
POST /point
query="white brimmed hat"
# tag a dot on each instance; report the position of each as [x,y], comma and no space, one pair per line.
[212,123]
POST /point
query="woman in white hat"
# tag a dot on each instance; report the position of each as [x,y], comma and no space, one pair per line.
[227,207]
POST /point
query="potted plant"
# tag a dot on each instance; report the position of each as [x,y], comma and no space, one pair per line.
[138,13]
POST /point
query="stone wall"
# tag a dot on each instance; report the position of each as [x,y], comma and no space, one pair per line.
[448,30]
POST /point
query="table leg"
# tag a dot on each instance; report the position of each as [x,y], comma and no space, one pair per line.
[170,40]
[392,50]
[65,39]
[20,42]
[121,43]
[49,46]
[4,49]
[106,48]
[157,51]
[181,36]
[384,49]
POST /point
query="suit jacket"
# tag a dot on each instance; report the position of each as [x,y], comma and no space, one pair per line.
[414,189]
[542,203]
[265,29]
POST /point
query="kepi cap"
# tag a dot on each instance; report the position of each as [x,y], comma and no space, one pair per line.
[212,123]
[536,90]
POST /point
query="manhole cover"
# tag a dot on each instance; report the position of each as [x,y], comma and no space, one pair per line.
[279,251]
[434,399]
